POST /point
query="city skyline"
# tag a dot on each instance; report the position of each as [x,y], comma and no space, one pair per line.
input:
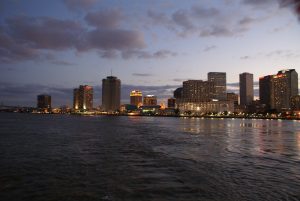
[160,44]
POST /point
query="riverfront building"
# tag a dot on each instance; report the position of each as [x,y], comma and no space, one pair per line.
[197,91]
[44,102]
[219,80]
[171,102]
[83,98]
[276,91]
[150,100]
[111,94]
[246,89]
[136,98]
[233,97]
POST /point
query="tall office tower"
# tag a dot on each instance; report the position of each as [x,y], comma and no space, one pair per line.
[285,86]
[219,80]
[136,98]
[111,94]
[197,91]
[266,91]
[76,99]
[178,93]
[150,100]
[85,97]
[171,102]
[233,97]
[246,89]
[44,102]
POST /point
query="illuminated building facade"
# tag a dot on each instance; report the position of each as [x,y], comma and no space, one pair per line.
[150,100]
[285,86]
[83,98]
[136,98]
[219,80]
[295,103]
[197,91]
[171,102]
[44,102]
[246,89]
[276,91]
[200,108]
[233,97]
[111,94]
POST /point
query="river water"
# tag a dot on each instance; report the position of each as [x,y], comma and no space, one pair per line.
[65,157]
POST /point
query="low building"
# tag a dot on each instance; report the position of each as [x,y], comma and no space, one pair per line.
[150,100]
[171,102]
[201,108]
[295,103]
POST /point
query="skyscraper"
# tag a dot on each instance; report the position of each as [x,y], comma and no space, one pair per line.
[136,98]
[150,100]
[285,86]
[83,98]
[266,91]
[197,91]
[246,89]
[276,91]
[111,94]
[44,102]
[219,80]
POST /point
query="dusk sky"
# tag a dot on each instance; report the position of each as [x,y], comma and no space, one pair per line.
[54,46]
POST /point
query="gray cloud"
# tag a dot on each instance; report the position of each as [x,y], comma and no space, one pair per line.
[75,5]
[245,57]
[105,18]
[62,63]
[142,74]
[202,12]
[209,48]
[36,38]
[160,54]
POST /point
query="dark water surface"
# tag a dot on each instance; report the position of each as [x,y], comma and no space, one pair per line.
[57,157]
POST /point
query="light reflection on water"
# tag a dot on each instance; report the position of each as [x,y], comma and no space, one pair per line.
[45,157]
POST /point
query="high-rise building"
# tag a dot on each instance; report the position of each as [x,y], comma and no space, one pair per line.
[266,91]
[171,102]
[111,94]
[150,100]
[178,93]
[83,98]
[276,91]
[44,102]
[136,98]
[197,91]
[246,89]
[76,99]
[233,97]
[285,86]
[219,80]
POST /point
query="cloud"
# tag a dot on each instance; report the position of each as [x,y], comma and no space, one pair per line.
[62,63]
[209,48]
[245,57]
[37,38]
[142,74]
[202,12]
[160,54]
[104,18]
[75,5]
